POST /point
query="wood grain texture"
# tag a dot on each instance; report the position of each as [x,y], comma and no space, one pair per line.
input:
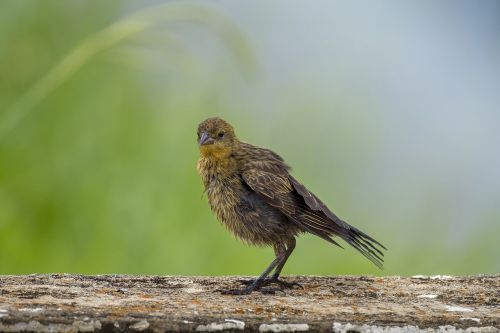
[120,303]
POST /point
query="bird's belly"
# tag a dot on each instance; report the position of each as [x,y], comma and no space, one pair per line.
[249,217]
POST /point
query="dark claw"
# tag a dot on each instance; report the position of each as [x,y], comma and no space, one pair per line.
[246,291]
[268,281]
[251,286]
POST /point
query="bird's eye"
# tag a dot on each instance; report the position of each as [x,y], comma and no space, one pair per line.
[221,135]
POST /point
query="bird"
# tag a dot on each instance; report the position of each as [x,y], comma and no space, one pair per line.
[252,193]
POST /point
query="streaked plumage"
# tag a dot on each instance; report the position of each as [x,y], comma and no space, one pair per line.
[252,193]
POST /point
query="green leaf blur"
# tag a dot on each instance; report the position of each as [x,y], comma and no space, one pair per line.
[99,104]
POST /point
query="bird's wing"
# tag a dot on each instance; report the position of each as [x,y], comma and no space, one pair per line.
[275,188]
[302,207]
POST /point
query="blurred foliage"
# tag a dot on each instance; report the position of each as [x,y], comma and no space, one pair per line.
[99,103]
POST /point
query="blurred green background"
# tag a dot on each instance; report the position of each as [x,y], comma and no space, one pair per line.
[388,111]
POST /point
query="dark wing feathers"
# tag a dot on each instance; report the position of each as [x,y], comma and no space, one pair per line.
[284,192]
[355,237]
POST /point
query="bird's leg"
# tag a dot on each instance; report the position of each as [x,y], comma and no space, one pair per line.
[255,284]
[284,253]
[279,252]
[288,251]
[274,279]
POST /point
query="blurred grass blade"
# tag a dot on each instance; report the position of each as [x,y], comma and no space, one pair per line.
[122,30]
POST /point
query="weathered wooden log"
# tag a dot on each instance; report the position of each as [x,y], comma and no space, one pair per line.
[119,303]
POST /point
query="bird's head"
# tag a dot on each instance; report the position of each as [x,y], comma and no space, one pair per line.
[216,138]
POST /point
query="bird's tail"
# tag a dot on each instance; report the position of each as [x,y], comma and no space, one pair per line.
[365,244]
[316,218]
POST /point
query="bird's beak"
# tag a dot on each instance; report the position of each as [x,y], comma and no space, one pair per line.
[205,139]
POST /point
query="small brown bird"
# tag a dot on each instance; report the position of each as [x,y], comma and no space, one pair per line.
[252,193]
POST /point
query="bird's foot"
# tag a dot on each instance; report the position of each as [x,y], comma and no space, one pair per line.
[264,286]
[252,281]
[273,280]
[249,289]
[287,285]
[251,285]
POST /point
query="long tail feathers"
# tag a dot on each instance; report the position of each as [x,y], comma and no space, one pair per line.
[364,244]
